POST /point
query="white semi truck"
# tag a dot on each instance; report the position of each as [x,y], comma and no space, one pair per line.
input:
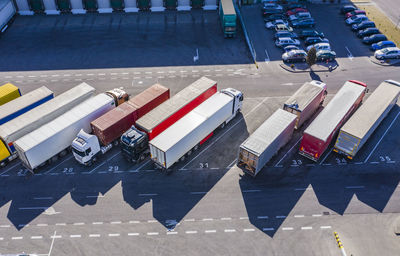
[54,138]
[192,130]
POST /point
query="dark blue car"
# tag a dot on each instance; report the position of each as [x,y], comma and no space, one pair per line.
[303,23]
[382,44]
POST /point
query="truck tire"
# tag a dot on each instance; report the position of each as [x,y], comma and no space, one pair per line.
[222,125]
[63,153]
[189,152]
[182,159]
[142,157]
[196,147]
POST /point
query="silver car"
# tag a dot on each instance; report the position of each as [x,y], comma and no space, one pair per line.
[388,53]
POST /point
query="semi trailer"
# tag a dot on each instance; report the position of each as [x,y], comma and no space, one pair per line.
[305,101]
[256,151]
[53,139]
[356,131]
[227,15]
[7,12]
[108,128]
[22,104]
[325,126]
[134,142]
[35,118]
[192,130]
[8,92]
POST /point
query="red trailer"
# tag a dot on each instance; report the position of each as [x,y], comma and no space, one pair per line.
[323,129]
[163,116]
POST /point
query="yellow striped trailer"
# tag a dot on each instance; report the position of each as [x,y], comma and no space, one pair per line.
[8,92]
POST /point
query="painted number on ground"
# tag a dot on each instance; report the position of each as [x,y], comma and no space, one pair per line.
[22,172]
[297,162]
[341,161]
[203,165]
[113,168]
[68,170]
[385,158]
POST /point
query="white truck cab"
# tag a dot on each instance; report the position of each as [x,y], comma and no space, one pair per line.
[84,147]
[237,101]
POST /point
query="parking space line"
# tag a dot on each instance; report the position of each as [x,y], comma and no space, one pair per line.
[267,59]
[17,238]
[114,235]
[9,169]
[299,216]
[251,191]
[172,233]
[268,229]
[229,230]
[140,167]
[198,193]
[75,236]
[133,234]
[349,55]
[306,228]
[280,217]
[219,137]
[262,217]
[36,237]
[226,218]
[231,164]
[149,194]
[210,231]
[277,164]
[316,215]
[287,228]
[43,198]
[355,187]
[323,160]
[59,164]
[94,235]
[325,227]
[191,232]
[248,230]
[152,233]
[377,144]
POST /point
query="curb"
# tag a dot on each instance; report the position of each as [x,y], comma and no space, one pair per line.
[383,63]
[289,69]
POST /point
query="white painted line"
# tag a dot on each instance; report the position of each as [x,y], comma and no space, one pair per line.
[5,226]
[33,208]
[229,230]
[280,217]
[214,168]
[55,236]
[126,73]
[268,229]
[355,187]
[61,224]
[113,235]
[219,137]
[97,223]
[330,150]
[326,227]
[327,164]
[1,238]
[43,198]
[94,235]
[42,225]
[208,219]
[226,218]
[95,196]
[310,164]
[36,237]
[89,172]
[149,194]
[17,237]
[267,59]
[251,191]
[306,228]
[262,217]
[358,163]
[374,162]
[31,76]
[232,163]
[189,220]
[23,225]
[316,215]
[75,236]
[9,169]
[398,113]
[59,164]
[140,167]
[198,193]
[134,222]
[101,74]
[210,231]
[115,222]
[243,218]
[133,234]
[79,224]
[151,221]
[299,216]
[172,233]
[349,55]
[191,232]
[248,230]
[287,228]
[152,233]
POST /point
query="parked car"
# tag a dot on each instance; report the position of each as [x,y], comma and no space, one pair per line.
[363,25]
[356,19]
[292,6]
[319,46]
[382,45]
[323,55]
[367,32]
[315,40]
[296,10]
[374,38]
[276,16]
[272,6]
[272,24]
[294,55]
[290,47]
[347,8]
[299,16]
[355,12]
[269,12]
[285,41]
[304,23]
[388,53]
[310,33]
[283,27]
[285,34]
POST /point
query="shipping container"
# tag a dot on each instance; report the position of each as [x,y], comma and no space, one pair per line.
[195,127]
[256,151]
[356,131]
[160,118]
[35,118]
[324,128]
[305,101]
[7,12]
[53,138]
[8,92]
[109,127]
[26,102]
[227,15]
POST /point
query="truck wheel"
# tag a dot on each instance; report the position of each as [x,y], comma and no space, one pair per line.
[116,143]
[63,153]
[90,163]
[142,157]
[182,159]
[189,152]
[94,159]
[222,125]
[54,159]
[196,147]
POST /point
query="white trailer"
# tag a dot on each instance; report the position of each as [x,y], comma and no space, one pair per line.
[7,12]
[35,118]
[195,127]
[356,131]
[53,138]
[265,142]
[306,100]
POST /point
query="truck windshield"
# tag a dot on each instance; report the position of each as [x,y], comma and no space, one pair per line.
[79,153]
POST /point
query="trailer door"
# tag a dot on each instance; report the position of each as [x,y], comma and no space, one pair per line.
[36,5]
[143,4]
[63,5]
[90,5]
[170,4]
[117,5]
[197,3]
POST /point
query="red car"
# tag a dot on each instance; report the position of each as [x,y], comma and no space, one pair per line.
[296,10]
[355,12]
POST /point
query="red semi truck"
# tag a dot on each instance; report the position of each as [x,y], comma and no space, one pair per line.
[109,127]
[323,129]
